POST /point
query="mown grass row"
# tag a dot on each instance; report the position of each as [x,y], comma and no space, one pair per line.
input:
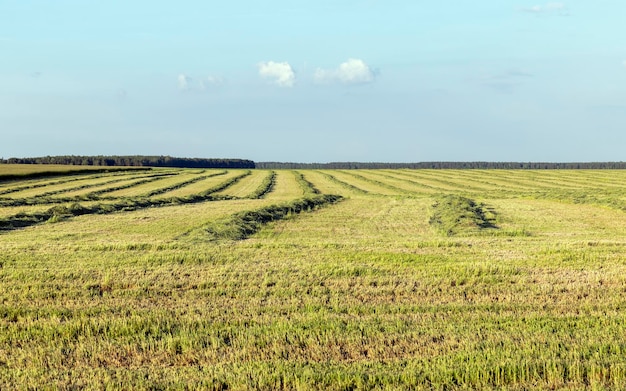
[35,171]
[59,213]
[444,182]
[398,175]
[98,194]
[14,187]
[612,198]
[362,176]
[183,184]
[70,189]
[365,294]
[92,196]
[307,186]
[343,184]
[454,215]
[244,224]
[266,186]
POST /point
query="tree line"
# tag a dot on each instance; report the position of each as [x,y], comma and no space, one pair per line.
[168,161]
[134,161]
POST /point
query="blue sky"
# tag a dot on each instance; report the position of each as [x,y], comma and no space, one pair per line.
[350,80]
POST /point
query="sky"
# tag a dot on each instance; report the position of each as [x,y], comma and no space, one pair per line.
[322,81]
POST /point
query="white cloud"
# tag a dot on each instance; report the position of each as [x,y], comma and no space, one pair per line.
[188,83]
[184,82]
[211,81]
[279,73]
[546,8]
[353,71]
[624,63]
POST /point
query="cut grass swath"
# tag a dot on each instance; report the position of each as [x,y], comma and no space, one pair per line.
[59,213]
[454,215]
[242,225]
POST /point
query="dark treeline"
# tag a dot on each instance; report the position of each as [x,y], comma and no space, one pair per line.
[168,161]
[445,165]
[133,161]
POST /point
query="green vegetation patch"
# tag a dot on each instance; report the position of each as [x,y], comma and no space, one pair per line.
[244,224]
[455,215]
[308,187]
[20,172]
[266,186]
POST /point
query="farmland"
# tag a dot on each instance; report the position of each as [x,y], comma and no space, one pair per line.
[313,279]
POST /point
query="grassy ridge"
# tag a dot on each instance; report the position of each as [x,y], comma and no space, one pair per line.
[244,224]
[46,197]
[29,171]
[59,213]
[9,188]
[454,214]
[266,186]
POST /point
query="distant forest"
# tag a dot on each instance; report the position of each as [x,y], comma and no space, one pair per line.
[168,161]
[133,161]
[445,165]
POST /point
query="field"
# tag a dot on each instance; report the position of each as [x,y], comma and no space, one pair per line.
[313,279]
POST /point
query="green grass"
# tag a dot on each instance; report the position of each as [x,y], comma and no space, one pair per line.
[416,280]
[242,225]
[253,186]
[24,171]
[454,215]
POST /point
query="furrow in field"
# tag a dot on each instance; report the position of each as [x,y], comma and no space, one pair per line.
[483,179]
[618,179]
[8,211]
[197,222]
[124,186]
[16,185]
[25,189]
[87,192]
[286,187]
[427,181]
[83,191]
[447,181]
[244,224]
[566,180]
[145,188]
[591,178]
[372,187]
[180,182]
[403,182]
[247,186]
[238,175]
[374,177]
[340,186]
[531,179]
[307,186]
[265,187]
[149,225]
[17,172]
[517,181]
[326,184]
[60,212]
[501,182]
[201,186]
[547,179]
[77,188]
